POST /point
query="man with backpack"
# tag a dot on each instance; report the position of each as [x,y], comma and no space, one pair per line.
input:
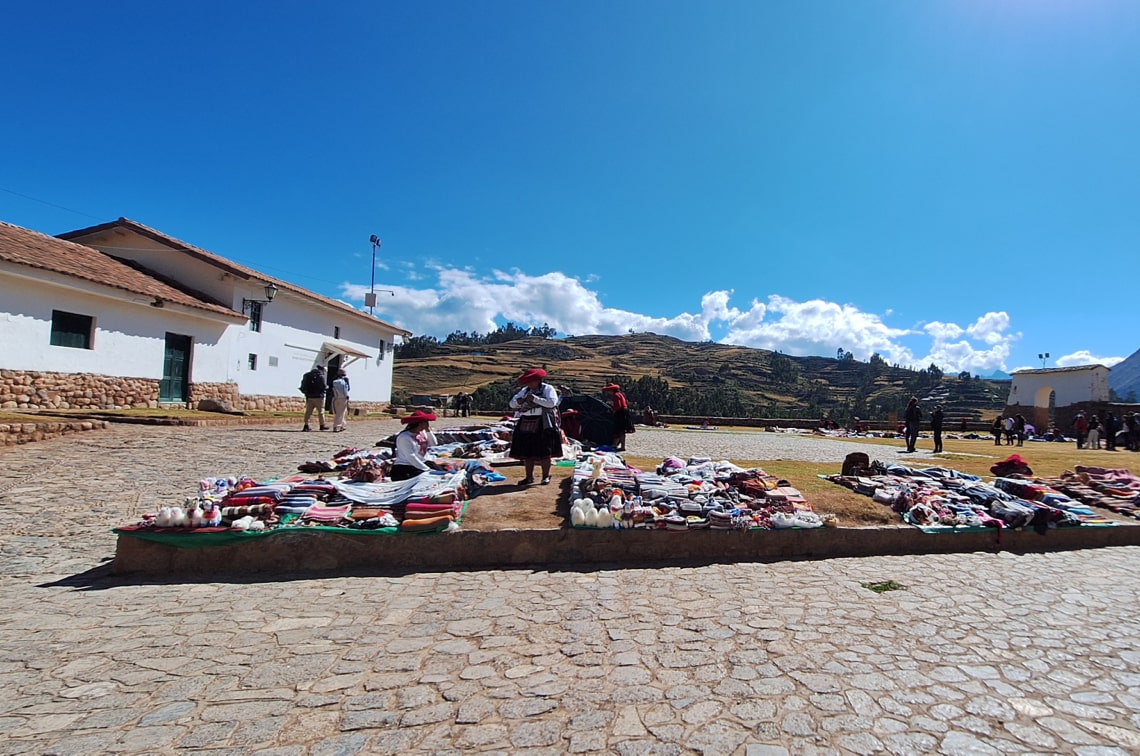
[313,386]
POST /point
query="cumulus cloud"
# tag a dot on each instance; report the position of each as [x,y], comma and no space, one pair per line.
[481,301]
[1085,357]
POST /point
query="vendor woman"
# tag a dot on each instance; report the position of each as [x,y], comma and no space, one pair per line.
[623,420]
[537,436]
[412,444]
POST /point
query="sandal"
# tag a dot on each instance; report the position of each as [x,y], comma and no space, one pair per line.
[546,481]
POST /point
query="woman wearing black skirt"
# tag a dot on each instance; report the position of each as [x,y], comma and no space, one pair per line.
[537,436]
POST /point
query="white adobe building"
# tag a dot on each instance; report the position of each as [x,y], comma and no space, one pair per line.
[120,314]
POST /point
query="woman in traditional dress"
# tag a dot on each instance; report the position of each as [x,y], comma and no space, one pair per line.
[623,421]
[537,436]
[412,444]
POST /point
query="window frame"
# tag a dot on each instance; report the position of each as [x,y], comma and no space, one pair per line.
[59,334]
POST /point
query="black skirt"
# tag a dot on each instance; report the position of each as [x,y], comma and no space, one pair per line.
[531,440]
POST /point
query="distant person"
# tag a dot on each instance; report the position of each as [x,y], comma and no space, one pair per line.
[537,436]
[412,444]
[965,426]
[912,417]
[1007,426]
[1019,429]
[649,417]
[465,403]
[997,429]
[313,386]
[936,427]
[1081,428]
[623,421]
[1094,432]
[340,388]
[1111,426]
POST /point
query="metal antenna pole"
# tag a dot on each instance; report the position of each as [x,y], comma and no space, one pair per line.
[375,243]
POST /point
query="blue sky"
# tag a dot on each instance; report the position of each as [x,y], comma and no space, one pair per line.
[947,182]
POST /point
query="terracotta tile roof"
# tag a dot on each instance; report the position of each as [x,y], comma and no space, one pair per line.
[26,247]
[228,265]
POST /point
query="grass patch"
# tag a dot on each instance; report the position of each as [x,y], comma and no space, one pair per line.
[884,586]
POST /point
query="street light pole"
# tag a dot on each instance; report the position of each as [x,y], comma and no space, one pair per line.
[372,291]
[1043,356]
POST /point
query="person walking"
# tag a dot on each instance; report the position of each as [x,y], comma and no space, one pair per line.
[313,387]
[936,427]
[912,418]
[340,402]
[537,436]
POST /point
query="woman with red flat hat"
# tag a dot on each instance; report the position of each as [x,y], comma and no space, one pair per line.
[623,420]
[537,436]
[412,444]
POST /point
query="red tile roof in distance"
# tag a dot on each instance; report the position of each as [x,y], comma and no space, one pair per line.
[23,246]
[227,265]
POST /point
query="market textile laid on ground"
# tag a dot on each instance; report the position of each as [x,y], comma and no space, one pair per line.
[941,499]
[687,495]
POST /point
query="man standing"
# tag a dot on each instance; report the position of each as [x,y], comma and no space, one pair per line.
[340,401]
[313,387]
[1081,428]
[911,420]
[936,427]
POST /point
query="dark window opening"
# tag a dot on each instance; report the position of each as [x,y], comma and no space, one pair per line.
[71,330]
[253,362]
[255,316]
[336,332]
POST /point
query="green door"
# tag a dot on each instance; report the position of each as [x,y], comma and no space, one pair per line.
[175,383]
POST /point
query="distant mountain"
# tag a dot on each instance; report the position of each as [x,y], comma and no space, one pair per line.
[997,375]
[694,379]
[1124,378]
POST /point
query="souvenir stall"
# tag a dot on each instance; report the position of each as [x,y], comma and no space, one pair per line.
[941,499]
[697,494]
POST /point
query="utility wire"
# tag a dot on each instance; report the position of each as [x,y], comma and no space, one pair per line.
[50,204]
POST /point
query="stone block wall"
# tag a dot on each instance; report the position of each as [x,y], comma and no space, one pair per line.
[24,389]
[23,433]
[223,392]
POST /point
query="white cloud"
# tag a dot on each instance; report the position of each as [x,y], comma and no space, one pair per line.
[481,301]
[1085,357]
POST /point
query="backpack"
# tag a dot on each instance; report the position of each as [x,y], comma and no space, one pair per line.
[308,383]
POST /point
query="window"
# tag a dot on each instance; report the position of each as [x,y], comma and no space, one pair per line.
[381,357]
[253,362]
[272,361]
[255,316]
[336,332]
[71,330]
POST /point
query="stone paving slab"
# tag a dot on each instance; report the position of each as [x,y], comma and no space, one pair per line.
[980,653]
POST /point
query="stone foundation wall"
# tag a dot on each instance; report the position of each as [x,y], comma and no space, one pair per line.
[268,403]
[222,392]
[23,389]
[22,433]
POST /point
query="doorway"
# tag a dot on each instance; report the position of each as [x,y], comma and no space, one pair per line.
[332,372]
[175,383]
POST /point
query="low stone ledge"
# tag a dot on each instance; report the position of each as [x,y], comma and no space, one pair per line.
[12,434]
[307,551]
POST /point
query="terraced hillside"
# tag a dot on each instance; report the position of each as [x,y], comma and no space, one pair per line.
[694,377]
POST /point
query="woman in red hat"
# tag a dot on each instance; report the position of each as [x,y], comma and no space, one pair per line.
[537,436]
[412,444]
[623,420]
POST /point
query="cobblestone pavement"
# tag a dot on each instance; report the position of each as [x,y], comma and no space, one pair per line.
[980,653]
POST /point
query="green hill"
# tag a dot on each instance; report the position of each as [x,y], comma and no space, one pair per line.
[694,379]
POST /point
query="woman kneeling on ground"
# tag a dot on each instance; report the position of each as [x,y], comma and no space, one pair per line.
[412,444]
[537,436]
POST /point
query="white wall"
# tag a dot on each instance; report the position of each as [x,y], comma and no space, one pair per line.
[293,330]
[129,335]
[1071,386]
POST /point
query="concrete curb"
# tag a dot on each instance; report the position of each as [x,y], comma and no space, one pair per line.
[300,551]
